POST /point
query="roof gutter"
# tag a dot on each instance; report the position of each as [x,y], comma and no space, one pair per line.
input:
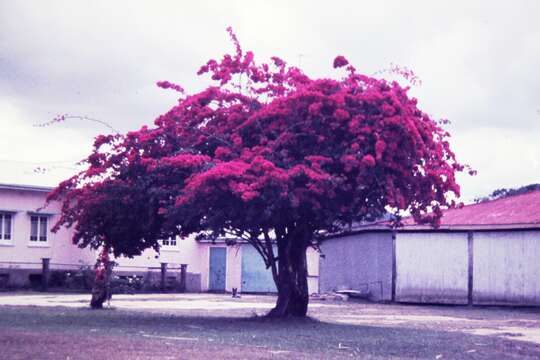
[442,228]
[45,189]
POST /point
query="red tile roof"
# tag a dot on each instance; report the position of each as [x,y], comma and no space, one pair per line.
[523,209]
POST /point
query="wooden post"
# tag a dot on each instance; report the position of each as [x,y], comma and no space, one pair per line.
[45,266]
[163,276]
[183,274]
[394,268]
[470,288]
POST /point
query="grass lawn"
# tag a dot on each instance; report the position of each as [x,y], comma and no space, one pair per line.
[334,330]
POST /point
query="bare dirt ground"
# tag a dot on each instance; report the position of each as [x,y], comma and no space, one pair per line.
[206,326]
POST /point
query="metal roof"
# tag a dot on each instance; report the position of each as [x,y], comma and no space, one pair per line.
[513,211]
[518,212]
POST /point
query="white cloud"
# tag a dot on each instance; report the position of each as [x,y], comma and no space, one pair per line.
[478,62]
[503,158]
[26,148]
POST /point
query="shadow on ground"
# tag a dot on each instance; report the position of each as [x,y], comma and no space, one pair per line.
[52,333]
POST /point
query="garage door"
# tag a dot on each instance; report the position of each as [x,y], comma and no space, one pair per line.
[256,277]
[432,267]
[506,268]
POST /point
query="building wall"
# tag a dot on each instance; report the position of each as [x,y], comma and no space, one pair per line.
[234,266]
[506,267]
[20,257]
[187,251]
[313,263]
[360,262]
[432,267]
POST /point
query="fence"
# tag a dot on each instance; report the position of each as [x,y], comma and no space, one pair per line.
[45,274]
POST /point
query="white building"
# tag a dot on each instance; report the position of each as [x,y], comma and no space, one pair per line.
[26,239]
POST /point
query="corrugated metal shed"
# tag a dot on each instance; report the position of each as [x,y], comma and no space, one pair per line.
[485,253]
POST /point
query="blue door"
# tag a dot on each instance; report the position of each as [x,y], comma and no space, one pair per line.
[256,277]
[218,269]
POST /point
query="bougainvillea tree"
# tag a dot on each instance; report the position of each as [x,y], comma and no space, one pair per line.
[267,155]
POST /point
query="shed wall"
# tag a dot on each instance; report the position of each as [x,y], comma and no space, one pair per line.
[358,262]
[506,268]
[432,268]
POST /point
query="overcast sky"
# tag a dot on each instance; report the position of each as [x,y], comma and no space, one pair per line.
[479,62]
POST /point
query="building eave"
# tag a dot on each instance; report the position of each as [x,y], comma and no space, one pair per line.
[19,187]
[442,228]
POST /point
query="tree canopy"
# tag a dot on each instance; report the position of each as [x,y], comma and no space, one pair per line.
[266,154]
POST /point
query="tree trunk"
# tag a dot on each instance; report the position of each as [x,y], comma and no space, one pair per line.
[99,294]
[293,296]
[101,288]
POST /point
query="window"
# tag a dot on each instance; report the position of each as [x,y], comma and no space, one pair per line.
[5,226]
[38,228]
[170,242]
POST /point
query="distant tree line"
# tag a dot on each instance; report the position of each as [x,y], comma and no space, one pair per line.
[502,193]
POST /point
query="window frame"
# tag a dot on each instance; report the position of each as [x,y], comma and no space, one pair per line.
[3,215]
[42,233]
[170,244]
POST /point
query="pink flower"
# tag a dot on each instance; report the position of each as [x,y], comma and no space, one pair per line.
[341,114]
[249,195]
[368,161]
[315,108]
[380,146]
[340,61]
[169,85]
[222,152]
